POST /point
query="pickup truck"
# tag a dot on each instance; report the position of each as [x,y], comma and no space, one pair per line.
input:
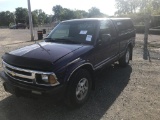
[65,63]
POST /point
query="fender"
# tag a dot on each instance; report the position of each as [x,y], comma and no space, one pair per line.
[75,66]
[130,42]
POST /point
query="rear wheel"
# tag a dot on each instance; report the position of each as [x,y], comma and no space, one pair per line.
[124,61]
[79,88]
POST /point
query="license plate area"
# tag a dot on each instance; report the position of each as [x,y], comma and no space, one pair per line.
[20,92]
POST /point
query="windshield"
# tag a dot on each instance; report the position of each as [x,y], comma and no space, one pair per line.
[80,32]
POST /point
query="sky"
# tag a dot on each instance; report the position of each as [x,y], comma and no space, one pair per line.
[106,7]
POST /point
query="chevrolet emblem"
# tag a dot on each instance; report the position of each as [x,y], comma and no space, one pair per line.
[13,73]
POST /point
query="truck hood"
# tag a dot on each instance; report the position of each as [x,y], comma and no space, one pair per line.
[46,51]
[40,56]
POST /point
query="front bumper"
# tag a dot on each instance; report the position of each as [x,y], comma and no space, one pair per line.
[27,90]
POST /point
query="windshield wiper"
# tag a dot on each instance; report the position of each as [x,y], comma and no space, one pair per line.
[63,40]
[66,40]
[43,48]
[48,39]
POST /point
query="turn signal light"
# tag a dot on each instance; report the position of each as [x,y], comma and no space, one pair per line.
[52,79]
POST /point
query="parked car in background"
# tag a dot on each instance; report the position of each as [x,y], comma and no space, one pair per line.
[64,64]
[18,26]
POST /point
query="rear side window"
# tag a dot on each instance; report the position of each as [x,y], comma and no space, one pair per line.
[124,25]
[129,24]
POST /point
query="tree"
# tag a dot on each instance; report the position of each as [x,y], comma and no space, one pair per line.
[156,6]
[80,14]
[146,6]
[61,13]
[127,6]
[94,12]
[35,18]
[67,14]
[48,19]
[58,9]
[21,15]
[6,17]
[39,17]
[150,6]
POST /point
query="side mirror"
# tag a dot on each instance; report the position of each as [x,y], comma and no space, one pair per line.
[106,38]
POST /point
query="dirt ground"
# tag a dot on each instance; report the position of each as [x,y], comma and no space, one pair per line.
[130,93]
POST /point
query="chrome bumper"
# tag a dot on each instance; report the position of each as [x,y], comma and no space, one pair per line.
[25,75]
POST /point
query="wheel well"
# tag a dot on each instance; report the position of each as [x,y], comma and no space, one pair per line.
[89,68]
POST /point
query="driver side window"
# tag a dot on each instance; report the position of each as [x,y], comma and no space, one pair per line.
[104,31]
[104,27]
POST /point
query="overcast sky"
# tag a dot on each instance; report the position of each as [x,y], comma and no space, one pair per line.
[107,7]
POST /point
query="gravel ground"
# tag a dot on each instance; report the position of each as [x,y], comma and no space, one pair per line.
[130,93]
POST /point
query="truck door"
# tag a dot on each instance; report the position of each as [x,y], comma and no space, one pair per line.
[114,43]
[107,44]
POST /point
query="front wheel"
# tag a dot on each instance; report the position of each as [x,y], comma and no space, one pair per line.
[124,61]
[79,88]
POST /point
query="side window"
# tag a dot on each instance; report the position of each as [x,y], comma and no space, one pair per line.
[124,25]
[129,24]
[120,25]
[104,27]
[107,27]
[113,31]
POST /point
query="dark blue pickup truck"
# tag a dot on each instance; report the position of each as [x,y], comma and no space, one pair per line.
[64,64]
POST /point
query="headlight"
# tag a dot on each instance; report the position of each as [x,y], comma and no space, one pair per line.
[44,78]
[49,79]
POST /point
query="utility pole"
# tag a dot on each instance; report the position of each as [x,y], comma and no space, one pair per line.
[30,20]
[145,49]
[147,21]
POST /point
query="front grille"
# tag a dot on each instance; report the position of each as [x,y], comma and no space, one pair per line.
[18,73]
[25,75]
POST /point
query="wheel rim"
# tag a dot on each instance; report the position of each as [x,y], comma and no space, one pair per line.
[127,56]
[82,89]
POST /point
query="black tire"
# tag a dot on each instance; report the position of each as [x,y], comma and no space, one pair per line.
[124,61]
[75,99]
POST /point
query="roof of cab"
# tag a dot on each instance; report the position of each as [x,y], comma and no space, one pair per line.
[119,19]
[96,19]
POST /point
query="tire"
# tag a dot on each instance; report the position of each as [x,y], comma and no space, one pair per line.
[79,88]
[124,61]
